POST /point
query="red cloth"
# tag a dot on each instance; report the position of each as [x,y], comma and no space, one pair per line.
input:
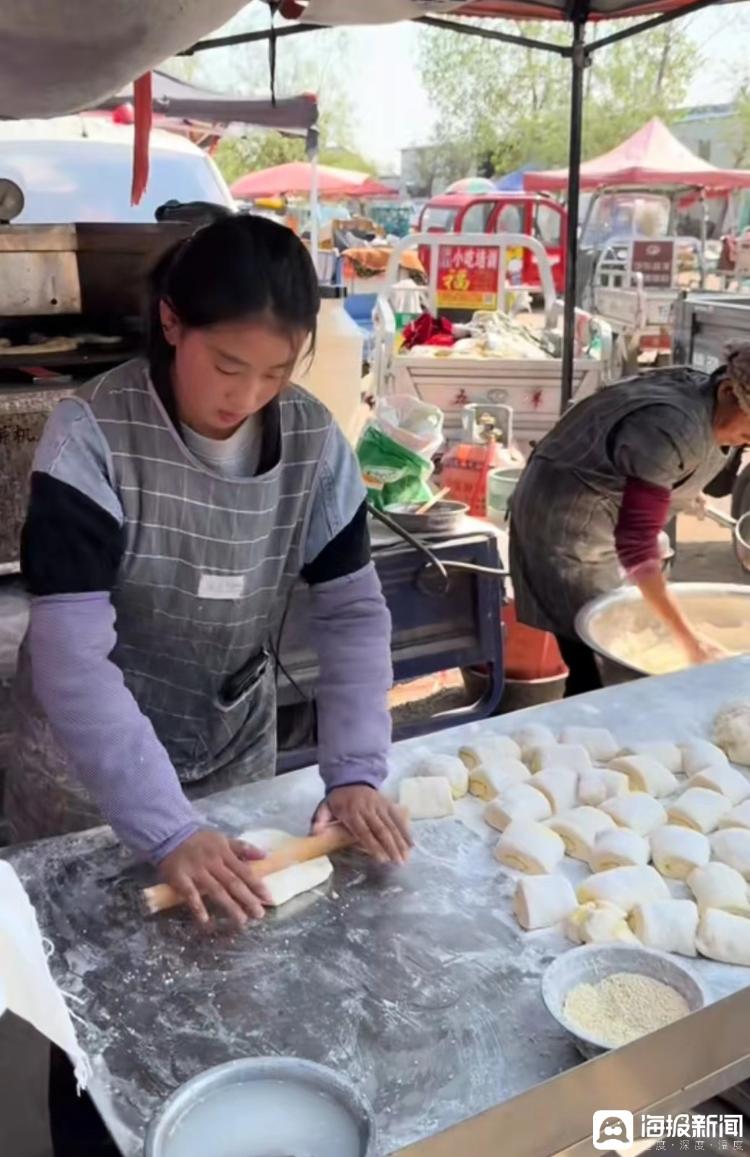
[644,512]
[142,98]
[428,330]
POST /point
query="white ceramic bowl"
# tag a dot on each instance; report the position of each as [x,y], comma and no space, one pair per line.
[594,962]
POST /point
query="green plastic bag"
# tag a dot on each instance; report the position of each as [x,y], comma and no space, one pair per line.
[392,474]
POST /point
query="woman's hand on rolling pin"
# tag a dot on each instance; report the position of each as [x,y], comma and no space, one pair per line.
[376,823]
[210,864]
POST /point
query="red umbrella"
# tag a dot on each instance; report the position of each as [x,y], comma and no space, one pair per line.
[295,179]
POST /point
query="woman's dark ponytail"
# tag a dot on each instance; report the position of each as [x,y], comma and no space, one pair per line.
[240,268]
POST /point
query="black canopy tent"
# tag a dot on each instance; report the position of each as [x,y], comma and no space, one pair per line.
[466,18]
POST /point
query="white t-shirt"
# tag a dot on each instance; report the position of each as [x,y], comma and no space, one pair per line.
[237,456]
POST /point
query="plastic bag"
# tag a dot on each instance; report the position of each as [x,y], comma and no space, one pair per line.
[415,425]
[395,451]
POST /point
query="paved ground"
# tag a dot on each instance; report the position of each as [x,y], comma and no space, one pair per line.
[704,552]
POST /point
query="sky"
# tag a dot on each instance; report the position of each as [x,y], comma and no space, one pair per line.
[390,108]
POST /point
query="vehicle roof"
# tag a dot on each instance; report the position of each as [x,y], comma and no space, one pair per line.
[90,127]
[458,200]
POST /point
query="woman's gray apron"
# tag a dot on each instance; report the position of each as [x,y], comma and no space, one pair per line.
[565,507]
[208,566]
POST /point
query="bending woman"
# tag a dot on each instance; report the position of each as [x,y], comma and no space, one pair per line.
[602,485]
[174,503]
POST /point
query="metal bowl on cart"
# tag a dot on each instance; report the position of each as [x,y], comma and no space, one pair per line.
[609,623]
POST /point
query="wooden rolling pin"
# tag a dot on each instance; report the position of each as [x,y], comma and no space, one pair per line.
[295,851]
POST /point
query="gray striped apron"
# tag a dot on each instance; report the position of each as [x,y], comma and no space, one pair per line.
[565,507]
[208,566]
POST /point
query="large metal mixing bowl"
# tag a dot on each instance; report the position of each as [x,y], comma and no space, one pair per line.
[604,622]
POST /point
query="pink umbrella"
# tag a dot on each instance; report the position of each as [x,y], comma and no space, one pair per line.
[295,179]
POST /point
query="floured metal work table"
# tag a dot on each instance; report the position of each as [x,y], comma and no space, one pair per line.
[414,982]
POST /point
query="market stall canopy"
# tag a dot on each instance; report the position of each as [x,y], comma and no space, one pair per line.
[652,157]
[182,101]
[389,11]
[57,58]
[296,179]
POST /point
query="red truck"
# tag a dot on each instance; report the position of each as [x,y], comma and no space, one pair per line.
[535,214]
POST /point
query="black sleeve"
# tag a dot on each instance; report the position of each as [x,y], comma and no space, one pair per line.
[724,481]
[348,552]
[69,545]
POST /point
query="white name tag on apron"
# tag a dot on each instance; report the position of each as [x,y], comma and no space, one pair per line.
[221,586]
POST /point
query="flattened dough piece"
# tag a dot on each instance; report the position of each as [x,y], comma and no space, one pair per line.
[487,782]
[677,851]
[646,774]
[289,882]
[667,925]
[532,735]
[726,780]
[579,829]
[732,846]
[618,849]
[724,936]
[719,886]
[669,755]
[426,797]
[601,783]
[699,808]
[488,751]
[559,784]
[598,922]
[600,743]
[698,754]
[738,817]
[542,901]
[732,732]
[638,811]
[570,755]
[625,887]
[530,847]
[448,767]
[520,802]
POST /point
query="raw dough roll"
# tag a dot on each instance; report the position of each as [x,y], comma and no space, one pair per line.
[699,808]
[618,849]
[579,829]
[677,851]
[288,882]
[598,922]
[637,811]
[542,901]
[600,743]
[533,735]
[724,936]
[488,751]
[669,755]
[487,782]
[738,817]
[530,847]
[519,802]
[732,732]
[426,797]
[667,925]
[559,784]
[699,754]
[726,780]
[625,887]
[569,755]
[449,767]
[599,784]
[719,886]
[732,846]
[646,774]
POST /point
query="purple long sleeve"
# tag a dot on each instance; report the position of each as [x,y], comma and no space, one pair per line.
[112,745]
[351,632]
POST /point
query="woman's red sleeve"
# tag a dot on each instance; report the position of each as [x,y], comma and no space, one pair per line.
[644,513]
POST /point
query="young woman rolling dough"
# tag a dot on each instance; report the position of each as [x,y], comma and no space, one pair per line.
[602,485]
[174,502]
